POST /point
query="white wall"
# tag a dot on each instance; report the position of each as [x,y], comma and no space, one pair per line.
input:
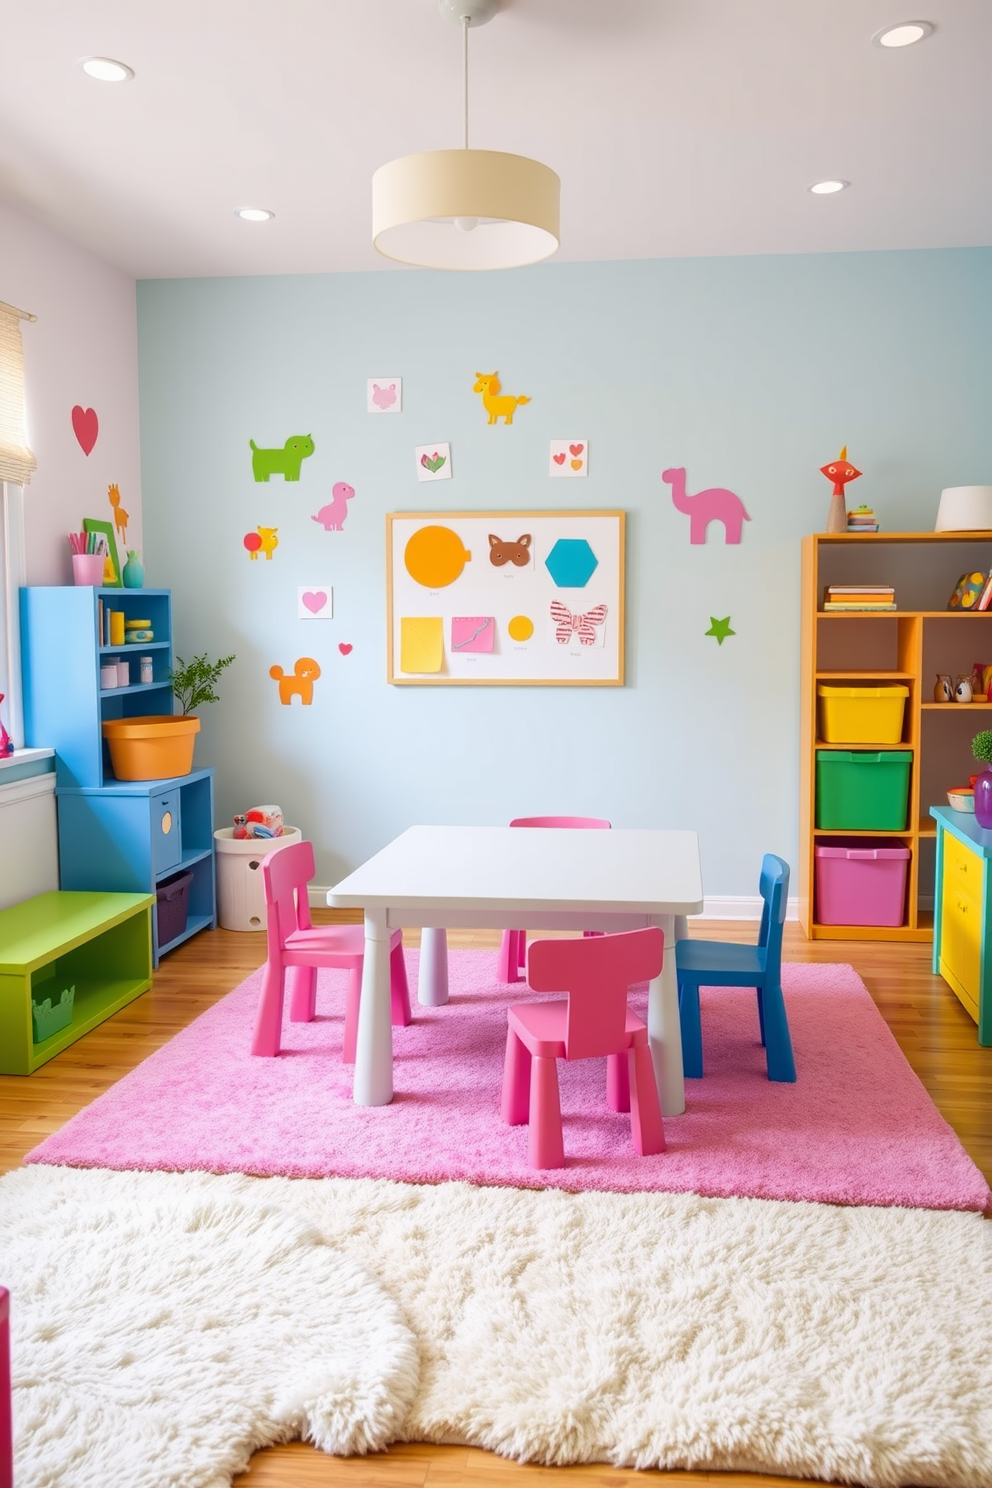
[81,349]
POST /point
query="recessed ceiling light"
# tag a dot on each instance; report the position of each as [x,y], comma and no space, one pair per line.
[905,34]
[254,214]
[106,70]
[827,188]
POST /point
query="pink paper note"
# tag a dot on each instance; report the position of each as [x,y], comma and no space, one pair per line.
[472,632]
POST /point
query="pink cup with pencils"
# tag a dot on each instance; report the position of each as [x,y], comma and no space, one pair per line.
[88,555]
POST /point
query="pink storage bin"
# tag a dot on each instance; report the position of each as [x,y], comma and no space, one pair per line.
[860,881]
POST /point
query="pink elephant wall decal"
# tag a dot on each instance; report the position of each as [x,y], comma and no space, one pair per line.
[716,504]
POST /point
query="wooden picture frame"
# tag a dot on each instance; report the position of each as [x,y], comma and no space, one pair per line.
[484,598]
[106,529]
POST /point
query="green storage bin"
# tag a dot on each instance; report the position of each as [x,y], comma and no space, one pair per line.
[48,1018]
[862,791]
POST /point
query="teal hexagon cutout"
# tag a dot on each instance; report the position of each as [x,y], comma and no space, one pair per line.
[571,563]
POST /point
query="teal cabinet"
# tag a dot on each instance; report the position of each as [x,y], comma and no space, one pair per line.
[962,929]
[115,836]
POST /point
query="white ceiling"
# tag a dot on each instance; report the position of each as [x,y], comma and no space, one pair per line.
[678,127]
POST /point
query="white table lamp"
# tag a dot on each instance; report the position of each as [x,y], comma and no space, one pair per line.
[965,509]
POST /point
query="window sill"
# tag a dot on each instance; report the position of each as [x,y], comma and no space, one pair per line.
[24,757]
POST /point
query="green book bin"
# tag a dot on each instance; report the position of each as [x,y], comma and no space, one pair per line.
[862,791]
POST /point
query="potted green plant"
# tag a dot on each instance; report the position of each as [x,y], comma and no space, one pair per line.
[161,747]
[981,748]
[194,682]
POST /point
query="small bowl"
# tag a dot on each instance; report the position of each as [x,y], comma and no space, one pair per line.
[961,798]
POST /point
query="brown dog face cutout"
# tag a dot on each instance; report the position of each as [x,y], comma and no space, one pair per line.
[501,552]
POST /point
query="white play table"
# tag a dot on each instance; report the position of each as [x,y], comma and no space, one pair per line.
[441,878]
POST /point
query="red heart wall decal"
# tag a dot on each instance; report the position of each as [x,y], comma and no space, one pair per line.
[85,426]
[576,449]
[559,459]
[345,647]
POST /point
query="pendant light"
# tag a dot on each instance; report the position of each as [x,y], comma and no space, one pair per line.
[465,209]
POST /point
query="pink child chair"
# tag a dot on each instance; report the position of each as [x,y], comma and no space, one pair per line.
[592,1021]
[297,948]
[513,947]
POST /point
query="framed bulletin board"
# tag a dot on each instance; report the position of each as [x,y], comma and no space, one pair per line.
[505,599]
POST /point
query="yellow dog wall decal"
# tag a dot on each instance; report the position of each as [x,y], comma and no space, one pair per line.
[498,405]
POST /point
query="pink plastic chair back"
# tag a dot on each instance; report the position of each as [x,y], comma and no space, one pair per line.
[560,821]
[285,876]
[596,974]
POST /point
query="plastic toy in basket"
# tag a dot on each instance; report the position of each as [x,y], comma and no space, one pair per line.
[260,821]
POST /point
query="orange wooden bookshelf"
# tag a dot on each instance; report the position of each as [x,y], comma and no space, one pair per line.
[911,645]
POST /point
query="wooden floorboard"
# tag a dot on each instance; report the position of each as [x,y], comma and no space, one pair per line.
[935,1033]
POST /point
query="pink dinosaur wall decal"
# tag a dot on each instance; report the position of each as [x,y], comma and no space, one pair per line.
[716,504]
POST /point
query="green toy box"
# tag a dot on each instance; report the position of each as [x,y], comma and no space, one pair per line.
[862,791]
[49,1017]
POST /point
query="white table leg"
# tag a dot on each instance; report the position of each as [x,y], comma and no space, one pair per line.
[432,978]
[374,1054]
[664,1031]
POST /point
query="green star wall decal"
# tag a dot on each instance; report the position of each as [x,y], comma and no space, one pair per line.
[720,629]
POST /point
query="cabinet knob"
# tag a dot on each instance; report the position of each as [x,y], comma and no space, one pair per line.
[166,822]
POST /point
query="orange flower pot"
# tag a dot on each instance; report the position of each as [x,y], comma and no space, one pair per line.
[151,748]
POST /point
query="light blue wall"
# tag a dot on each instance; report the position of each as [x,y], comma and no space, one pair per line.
[750,372]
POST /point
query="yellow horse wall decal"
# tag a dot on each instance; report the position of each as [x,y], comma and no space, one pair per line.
[497,405]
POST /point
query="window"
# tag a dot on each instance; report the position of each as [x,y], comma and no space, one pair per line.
[16,464]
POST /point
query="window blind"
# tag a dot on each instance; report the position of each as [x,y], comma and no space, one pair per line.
[16,460]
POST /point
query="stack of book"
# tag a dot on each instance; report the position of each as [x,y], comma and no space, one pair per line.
[862,519]
[859,597]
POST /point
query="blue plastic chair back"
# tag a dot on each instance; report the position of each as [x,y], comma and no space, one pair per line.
[774,889]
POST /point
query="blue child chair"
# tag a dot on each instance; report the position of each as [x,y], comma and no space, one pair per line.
[712,963]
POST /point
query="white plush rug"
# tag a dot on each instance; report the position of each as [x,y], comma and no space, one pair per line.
[161,1334]
[644,1330]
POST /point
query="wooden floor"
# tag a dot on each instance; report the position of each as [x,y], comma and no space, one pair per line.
[936,1035]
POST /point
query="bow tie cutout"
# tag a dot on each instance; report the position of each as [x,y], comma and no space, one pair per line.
[566,623]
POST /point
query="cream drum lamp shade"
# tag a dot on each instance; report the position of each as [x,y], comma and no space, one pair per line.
[965,509]
[465,209]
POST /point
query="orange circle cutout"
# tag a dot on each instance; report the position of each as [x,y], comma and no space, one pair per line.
[435,557]
[520,628]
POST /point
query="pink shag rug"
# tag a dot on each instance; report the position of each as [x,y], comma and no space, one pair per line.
[856,1128]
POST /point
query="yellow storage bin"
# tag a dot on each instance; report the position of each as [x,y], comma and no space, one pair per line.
[862,715]
[153,748]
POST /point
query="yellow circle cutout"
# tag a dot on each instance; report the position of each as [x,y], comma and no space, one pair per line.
[435,557]
[520,628]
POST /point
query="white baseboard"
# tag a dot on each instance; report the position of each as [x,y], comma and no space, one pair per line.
[715,906]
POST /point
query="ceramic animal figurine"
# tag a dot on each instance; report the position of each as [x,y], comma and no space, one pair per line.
[517,553]
[496,405]
[962,689]
[262,541]
[285,462]
[121,517]
[384,397]
[943,691]
[716,504]
[331,517]
[840,471]
[300,684]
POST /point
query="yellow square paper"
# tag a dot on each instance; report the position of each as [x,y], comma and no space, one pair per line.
[421,643]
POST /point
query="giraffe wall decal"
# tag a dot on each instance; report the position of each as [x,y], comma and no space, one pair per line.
[716,504]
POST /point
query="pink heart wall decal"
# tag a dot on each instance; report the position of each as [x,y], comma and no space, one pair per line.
[314,601]
[345,647]
[85,426]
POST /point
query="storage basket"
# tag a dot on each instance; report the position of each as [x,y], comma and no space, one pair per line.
[859,791]
[859,881]
[151,748]
[48,1018]
[172,908]
[862,715]
[240,893]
